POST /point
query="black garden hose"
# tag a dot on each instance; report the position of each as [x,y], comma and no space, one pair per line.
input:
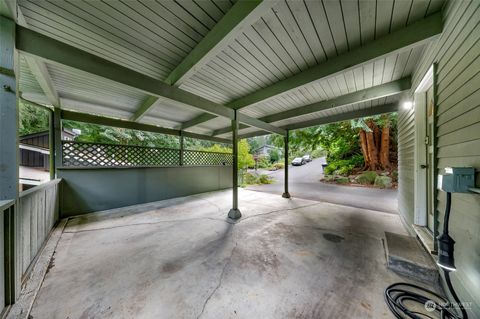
[434,304]
[398,294]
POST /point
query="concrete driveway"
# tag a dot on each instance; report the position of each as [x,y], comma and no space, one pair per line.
[305,183]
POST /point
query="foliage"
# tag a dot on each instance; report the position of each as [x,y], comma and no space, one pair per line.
[367,178]
[254,142]
[279,165]
[217,148]
[318,153]
[32,119]
[245,159]
[263,162]
[274,155]
[383,182]
[249,179]
[115,135]
[342,180]
[344,166]
[264,179]
[253,179]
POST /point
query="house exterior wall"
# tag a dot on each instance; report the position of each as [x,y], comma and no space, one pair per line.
[89,190]
[457,55]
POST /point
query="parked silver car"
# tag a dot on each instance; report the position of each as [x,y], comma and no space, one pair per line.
[298,161]
[307,158]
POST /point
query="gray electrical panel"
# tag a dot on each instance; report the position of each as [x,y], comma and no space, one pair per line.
[457,179]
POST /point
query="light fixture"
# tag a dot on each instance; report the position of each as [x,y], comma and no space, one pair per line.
[407,105]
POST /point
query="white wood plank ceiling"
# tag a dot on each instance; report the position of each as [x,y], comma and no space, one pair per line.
[153,37]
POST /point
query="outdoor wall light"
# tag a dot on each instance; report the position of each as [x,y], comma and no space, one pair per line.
[407,105]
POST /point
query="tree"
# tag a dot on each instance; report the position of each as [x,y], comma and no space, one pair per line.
[274,155]
[375,140]
[245,159]
[32,119]
[217,148]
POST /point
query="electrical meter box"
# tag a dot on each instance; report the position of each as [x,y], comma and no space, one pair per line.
[457,179]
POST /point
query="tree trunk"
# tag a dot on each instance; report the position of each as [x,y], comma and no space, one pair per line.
[372,151]
[385,148]
[376,134]
[363,144]
[372,146]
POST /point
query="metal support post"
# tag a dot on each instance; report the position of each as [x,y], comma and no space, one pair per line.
[235,213]
[286,194]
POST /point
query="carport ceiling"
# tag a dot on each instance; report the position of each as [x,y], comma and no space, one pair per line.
[186,65]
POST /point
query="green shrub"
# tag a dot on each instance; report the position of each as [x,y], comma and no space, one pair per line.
[274,155]
[279,165]
[395,175]
[366,178]
[328,178]
[383,181]
[264,179]
[344,166]
[263,162]
[342,180]
[250,179]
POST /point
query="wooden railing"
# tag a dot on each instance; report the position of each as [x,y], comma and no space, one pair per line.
[37,213]
[7,294]
[26,223]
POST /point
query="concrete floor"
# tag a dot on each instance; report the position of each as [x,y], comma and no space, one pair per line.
[182,258]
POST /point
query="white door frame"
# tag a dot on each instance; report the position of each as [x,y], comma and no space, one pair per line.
[420,184]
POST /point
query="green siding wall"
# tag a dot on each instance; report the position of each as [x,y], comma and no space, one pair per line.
[457,54]
[89,190]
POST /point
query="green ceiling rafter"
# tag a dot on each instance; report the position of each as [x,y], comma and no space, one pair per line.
[369,94]
[232,23]
[241,14]
[144,107]
[32,43]
[381,109]
[407,37]
[39,69]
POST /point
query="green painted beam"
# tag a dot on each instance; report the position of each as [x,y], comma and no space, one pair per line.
[41,74]
[407,37]
[226,29]
[202,118]
[372,93]
[144,107]
[381,109]
[35,44]
[197,120]
[100,120]
[260,124]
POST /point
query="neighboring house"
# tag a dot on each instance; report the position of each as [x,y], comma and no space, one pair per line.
[35,157]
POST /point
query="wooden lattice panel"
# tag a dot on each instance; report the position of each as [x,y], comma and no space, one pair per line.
[82,154]
[77,154]
[200,158]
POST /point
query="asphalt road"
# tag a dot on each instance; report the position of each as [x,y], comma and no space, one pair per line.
[305,183]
